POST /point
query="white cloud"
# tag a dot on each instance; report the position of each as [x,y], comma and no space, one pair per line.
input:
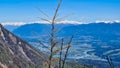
[107,21]
[21,23]
[61,22]
[118,21]
[70,22]
[13,23]
[41,22]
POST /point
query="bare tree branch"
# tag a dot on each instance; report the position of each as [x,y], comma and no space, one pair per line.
[110,62]
[60,58]
[44,13]
[45,20]
[64,17]
[56,12]
[66,54]
[43,45]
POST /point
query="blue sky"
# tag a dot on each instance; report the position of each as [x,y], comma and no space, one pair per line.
[78,10]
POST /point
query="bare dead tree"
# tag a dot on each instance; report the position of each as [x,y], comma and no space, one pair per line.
[66,54]
[60,58]
[110,61]
[55,46]
[53,34]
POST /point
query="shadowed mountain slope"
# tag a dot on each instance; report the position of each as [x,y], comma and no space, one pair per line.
[16,53]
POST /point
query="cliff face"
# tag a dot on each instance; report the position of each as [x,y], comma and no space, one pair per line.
[16,53]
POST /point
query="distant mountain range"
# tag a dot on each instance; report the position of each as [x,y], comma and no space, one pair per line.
[98,30]
[16,53]
[11,27]
[91,41]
